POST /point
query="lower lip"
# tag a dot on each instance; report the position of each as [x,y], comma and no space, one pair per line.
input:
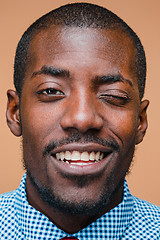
[74,169]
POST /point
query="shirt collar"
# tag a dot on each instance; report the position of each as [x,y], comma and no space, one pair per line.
[114,223]
[111,225]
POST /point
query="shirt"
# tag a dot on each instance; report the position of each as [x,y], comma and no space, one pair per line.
[131,219]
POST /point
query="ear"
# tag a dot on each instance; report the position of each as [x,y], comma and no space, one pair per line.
[12,113]
[142,124]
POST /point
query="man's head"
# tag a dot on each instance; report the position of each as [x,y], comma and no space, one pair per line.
[83,16]
[79,74]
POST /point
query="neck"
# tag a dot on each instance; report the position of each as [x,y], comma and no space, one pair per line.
[68,222]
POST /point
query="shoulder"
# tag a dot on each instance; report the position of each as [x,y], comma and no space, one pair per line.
[7,205]
[7,200]
[9,227]
[147,210]
[145,220]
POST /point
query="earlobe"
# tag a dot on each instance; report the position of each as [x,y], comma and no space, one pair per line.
[12,113]
[142,124]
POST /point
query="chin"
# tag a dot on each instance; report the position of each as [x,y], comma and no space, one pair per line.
[84,206]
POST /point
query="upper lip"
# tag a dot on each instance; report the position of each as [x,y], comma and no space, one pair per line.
[82,147]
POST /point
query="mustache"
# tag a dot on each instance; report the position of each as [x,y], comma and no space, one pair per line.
[77,137]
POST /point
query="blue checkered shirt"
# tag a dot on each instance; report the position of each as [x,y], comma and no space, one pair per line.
[131,219]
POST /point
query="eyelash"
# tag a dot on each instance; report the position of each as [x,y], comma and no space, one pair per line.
[107,98]
[115,99]
[50,91]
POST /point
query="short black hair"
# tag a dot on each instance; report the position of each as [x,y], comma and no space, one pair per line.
[82,15]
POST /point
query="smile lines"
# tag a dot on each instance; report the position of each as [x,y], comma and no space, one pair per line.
[80,158]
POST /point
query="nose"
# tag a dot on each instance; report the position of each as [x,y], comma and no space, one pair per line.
[82,114]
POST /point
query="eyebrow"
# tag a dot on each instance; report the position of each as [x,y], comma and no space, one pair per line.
[52,71]
[58,72]
[109,79]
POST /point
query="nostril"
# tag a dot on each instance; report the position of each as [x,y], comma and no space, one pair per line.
[82,113]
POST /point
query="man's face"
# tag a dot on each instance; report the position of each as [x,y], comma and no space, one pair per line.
[80,113]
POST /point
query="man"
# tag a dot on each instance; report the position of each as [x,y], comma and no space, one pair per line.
[79,76]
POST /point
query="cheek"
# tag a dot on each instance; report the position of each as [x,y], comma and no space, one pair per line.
[39,121]
[38,128]
[123,124]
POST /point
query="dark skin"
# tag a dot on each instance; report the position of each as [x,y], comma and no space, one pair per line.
[79,80]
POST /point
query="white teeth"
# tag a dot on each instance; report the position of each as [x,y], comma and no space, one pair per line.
[78,156]
[97,156]
[85,156]
[81,163]
[76,163]
[101,156]
[58,155]
[67,155]
[61,155]
[92,156]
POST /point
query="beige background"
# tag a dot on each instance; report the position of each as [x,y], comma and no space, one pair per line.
[144,17]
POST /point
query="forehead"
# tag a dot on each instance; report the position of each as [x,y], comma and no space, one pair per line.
[86,46]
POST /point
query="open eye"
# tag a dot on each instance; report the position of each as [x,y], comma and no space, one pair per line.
[50,91]
[50,94]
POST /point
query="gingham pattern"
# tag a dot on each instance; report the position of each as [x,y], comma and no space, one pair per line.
[131,219]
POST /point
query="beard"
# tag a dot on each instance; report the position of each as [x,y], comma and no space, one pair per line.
[85,207]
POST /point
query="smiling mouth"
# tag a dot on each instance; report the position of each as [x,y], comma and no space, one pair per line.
[80,158]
